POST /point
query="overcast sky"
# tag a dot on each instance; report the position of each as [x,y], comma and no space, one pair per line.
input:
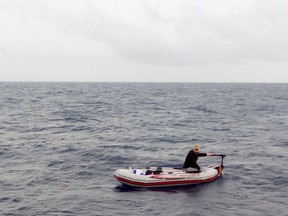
[144,40]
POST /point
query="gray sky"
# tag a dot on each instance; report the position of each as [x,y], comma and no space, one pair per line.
[144,40]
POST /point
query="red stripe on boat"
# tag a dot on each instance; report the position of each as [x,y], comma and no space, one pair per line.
[168,183]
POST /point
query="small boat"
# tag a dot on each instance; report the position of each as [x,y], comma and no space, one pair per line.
[168,176]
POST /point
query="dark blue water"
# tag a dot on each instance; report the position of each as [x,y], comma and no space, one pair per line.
[60,144]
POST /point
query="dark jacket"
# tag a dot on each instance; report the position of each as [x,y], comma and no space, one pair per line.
[191,159]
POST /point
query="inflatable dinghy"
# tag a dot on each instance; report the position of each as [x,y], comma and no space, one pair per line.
[168,176]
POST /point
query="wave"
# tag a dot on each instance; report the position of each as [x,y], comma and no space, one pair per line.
[204,109]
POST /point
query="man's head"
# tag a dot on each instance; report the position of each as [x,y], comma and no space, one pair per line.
[196,148]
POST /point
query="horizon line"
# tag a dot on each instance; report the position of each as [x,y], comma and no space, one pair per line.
[176,82]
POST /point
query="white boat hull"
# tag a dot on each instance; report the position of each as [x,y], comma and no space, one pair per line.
[167,178]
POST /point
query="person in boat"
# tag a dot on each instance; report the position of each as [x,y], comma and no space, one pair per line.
[192,157]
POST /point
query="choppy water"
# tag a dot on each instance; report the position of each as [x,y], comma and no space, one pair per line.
[61,143]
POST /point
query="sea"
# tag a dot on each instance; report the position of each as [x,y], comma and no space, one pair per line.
[60,144]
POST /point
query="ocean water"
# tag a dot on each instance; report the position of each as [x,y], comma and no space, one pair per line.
[60,144]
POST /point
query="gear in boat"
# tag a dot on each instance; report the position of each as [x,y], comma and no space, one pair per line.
[168,176]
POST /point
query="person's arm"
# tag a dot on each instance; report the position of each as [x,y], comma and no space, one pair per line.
[202,154]
[205,154]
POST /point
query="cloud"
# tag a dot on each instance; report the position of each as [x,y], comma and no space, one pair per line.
[54,36]
[173,33]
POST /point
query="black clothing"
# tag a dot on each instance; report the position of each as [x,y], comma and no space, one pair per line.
[191,159]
